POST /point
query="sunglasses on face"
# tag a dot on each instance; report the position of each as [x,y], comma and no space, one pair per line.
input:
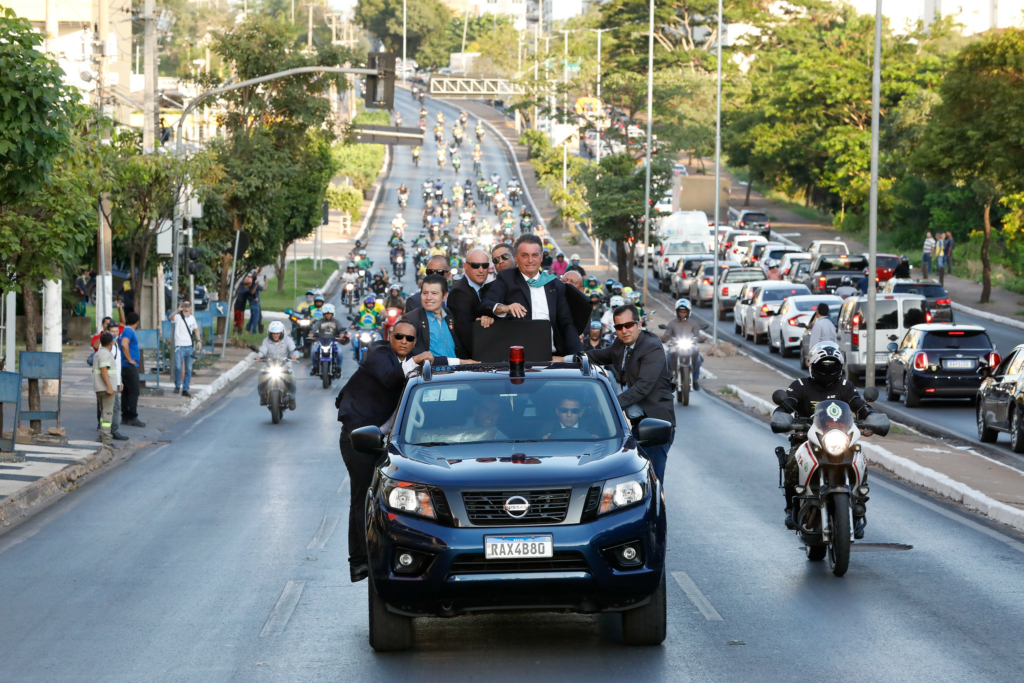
[403,337]
[437,271]
[498,259]
[470,264]
[572,411]
[625,326]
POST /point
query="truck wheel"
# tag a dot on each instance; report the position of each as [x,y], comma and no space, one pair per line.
[647,625]
[389,632]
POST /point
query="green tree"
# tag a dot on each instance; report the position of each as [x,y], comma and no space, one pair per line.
[383,18]
[974,139]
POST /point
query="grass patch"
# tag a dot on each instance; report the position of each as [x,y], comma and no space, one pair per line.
[728,391]
[272,300]
[896,429]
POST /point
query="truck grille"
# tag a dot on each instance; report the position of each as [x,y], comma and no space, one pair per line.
[477,564]
[487,508]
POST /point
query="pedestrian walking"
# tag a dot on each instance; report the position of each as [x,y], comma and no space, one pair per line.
[926,255]
[948,248]
[130,372]
[185,336]
[115,349]
[103,385]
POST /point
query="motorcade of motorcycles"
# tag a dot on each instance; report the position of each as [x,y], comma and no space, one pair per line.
[832,473]
[301,323]
[276,386]
[327,360]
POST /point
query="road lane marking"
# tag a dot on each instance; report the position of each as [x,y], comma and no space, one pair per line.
[344,483]
[696,597]
[203,419]
[282,612]
[323,534]
[991,533]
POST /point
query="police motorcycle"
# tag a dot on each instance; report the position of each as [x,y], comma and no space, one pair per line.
[832,473]
[326,356]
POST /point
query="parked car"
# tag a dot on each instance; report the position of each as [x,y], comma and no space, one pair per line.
[201,298]
[939,303]
[765,305]
[730,282]
[702,285]
[787,327]
[827,271]
[1000,400]
[938,360]
[894,315]
[828,247]
[789,260]
[686,274]
[805,340]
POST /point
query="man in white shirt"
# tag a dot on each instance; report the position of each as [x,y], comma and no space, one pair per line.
[115,350]
[184,326]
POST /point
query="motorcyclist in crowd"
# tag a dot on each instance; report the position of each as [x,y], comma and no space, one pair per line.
[609,286]
[862,283]
[326,327]
[445,239]
[394,298]
[546,260]
[772,271]
[591,286]
[398,249]
[683,327]
[597,307]
[350,274]
[308,303]
[595,338]
[421,242]
[574,264]
[637,299]
[277,345]
[403,193]
[380,285]
[364,262]
[846,287]
[608,320]
[372,307]
[416,155]
[354,254]
[318,303]
[902,269]
[826,381]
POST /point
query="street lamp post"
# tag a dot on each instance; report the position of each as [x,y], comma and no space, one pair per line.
[650,116]
[600,140]
[876,87]
[405,65]
[718,176]
[565,104]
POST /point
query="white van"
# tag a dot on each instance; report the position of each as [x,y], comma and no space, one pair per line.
[686,226]
[894,315]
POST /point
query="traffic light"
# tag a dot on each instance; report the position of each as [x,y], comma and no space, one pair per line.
[380,89]
[190,260]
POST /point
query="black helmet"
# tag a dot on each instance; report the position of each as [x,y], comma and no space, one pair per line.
[904,259]
[826,363]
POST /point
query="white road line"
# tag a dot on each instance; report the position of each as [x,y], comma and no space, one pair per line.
[696,597]
[282,612]
[208,415]
[344,484]
[323,534]
[981,528]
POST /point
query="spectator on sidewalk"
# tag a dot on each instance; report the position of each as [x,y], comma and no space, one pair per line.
[104,324]
[81,293]
[241,299]
[255,324]
[130,372]
[102,384]
[926,256]
[939,255]
[115,423]
[185,331]
[948,248]
[127,298]
[824,329]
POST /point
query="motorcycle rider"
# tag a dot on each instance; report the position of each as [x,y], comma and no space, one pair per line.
[403,193]
[372,307]
[354,254]
[325,327]
[278,346]
[608,320]
[684,327]
[846,287]
[380,285]
[416,155]
[394,298]
[574,264]
[595,339]
[308,303]
[826,382]
[364,262]
[903,269]
[318,303]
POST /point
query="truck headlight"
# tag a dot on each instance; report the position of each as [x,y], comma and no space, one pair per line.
[403,496]
[835,442]
[623,492]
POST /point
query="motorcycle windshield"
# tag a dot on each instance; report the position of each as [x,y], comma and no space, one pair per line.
[833,414]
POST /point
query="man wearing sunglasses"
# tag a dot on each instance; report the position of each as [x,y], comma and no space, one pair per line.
[437,265]
[465,295]
[638,359]
[501,257]
[528,294]
[435,326]
[370,397]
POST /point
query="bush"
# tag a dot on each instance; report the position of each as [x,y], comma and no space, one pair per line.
[361,163]
[345,198]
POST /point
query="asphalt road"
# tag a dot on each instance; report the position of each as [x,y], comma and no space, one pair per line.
[222,557]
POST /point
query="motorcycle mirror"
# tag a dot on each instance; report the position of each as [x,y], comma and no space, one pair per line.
[287,311]
[779,396]
[662,327]
[871,394]
[704,326]
[351,317]
[367,440]
[878,423]
[781,422]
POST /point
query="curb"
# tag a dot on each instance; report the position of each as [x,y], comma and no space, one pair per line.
[218,384]
[992,317]
[914,473]
[46,489]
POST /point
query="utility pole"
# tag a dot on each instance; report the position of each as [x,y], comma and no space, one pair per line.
[149,64]
[565,104]
[650,117]
[718,176]
[876,87]
[465,25]
[405,65]
[52,305]
[600,139]
[309,31]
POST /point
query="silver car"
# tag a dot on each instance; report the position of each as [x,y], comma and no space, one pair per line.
[686,273]
[762,304]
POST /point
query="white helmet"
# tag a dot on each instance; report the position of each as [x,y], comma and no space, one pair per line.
[616,301]
[327,308]
[574,257]
[276,327]
[683,303]
[771,263]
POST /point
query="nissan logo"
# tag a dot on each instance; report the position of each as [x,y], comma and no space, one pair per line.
[517,506]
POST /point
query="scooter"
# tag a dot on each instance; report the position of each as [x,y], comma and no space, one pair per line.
[276,386]
[832,473]
[326,361]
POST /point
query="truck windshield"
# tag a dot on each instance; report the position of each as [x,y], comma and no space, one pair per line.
[488,410]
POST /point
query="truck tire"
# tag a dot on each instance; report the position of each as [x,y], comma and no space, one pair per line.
[647,625]
[389,632]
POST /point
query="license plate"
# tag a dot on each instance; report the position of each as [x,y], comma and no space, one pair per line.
[881,358]
[958,364]
[516,547]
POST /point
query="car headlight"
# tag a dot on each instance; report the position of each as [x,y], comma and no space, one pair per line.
[623,492]
[835,442]
[365,338]
[403,496]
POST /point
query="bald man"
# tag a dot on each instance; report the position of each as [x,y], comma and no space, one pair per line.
[437,265]
[573,278]
[465,295]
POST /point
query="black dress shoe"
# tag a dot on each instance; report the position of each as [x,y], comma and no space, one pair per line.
[358,572]
[790,520]
[117,436]
[134,423]
[858,527]
[696,385]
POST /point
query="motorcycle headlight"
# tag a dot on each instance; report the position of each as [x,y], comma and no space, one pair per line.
[835,442]
[365,338]
[400,259]
[684,345]
[274,371]
[305,322]
[403,496]
[623,492]
[362,273]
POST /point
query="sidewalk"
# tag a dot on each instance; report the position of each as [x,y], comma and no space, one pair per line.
[50,470]
[955,472]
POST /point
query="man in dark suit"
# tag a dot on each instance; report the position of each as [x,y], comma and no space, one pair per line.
[436,326]
[579,303]
[465,295]
[638,358]
[525,292]
[437,265]
[370,397]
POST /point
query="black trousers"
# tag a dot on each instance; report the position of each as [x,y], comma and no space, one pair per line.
[360,474]
[130,393]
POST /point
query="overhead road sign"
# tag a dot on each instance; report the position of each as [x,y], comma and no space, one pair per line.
[459,87]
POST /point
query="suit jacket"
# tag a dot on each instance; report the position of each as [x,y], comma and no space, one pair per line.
[510,287]
[372,393]
[579,308]
[418,317]
[464,303]
[413,302]
[647,375]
